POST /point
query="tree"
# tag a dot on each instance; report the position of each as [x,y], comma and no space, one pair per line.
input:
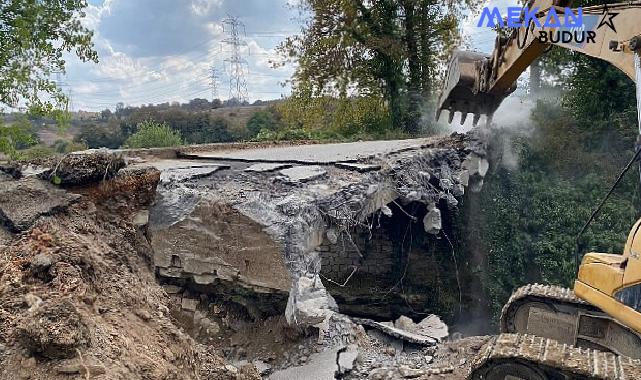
[201,128]
[385,47]
[33,39]
[105,114]
[600,94]
[106,135]
[17,135]
[198,104]
[262,120]
[151,134]
[120,108]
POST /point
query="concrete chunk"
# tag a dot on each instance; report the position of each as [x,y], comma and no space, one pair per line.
[432,220]
[309,302]
[301,174]
[184,174]
[82,168]
[22,202]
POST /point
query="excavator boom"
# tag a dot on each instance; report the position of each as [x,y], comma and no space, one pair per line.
[477,83]
[592,332]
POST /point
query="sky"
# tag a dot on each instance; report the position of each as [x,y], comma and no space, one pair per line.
[155,51]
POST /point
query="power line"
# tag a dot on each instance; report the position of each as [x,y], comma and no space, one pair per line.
[65,88]
[214,76]
[237,64]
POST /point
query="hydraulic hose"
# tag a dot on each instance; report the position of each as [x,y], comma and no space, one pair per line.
[598,209]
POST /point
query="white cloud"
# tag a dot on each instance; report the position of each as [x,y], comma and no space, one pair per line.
[85,88]
[204,7]
[95,13]
[119,66]
[178,73]
[215,29]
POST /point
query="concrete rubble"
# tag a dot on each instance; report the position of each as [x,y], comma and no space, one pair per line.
[266,253]
[264,227]
[256,228]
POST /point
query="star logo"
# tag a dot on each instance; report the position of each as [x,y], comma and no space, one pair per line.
[608,18]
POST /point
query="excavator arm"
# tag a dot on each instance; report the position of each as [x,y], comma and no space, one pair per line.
[477,83]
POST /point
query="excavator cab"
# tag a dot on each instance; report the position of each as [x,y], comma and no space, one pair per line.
[613,282]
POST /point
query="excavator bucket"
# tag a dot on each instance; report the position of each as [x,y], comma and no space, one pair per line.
[463,88]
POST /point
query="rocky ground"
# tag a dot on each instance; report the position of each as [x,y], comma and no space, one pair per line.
[450,360]
[80,298]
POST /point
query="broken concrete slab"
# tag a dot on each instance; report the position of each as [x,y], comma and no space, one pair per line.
[361,168]
[302,174]
[398,333]
[169,164]
[431,326]
[189,173]
[315,153]
[172,170]
[23,201]
[313,304]
[346,359]
[290,218]
[220,250]
[267,167]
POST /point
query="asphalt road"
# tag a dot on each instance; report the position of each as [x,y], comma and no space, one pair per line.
[316,153]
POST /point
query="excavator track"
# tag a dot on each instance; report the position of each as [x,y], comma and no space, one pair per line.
[556,298]
[557,313]
[528,357]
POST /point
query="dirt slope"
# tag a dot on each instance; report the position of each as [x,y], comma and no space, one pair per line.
[78,298]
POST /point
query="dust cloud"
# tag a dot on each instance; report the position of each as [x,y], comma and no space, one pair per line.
[511,120]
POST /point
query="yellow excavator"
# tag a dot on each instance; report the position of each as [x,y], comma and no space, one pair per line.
[548,332]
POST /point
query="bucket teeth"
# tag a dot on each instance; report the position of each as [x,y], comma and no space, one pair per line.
[438,113]
[451,117]
[477,117]
[463,117]
[463,89]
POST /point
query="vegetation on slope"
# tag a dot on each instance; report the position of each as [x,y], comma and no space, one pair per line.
[532,209]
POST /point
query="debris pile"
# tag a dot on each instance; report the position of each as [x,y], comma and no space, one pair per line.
[230,265]
[289,206]
[78,296]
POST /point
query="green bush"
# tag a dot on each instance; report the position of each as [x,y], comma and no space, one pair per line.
[151,134]
[104,135]
[65,146]
[35,152]
[16,136]
[263,120]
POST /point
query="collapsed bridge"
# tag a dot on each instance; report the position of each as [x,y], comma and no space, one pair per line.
[283,259]
[303,229]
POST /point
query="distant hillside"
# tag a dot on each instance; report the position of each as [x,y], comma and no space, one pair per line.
[237,116]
